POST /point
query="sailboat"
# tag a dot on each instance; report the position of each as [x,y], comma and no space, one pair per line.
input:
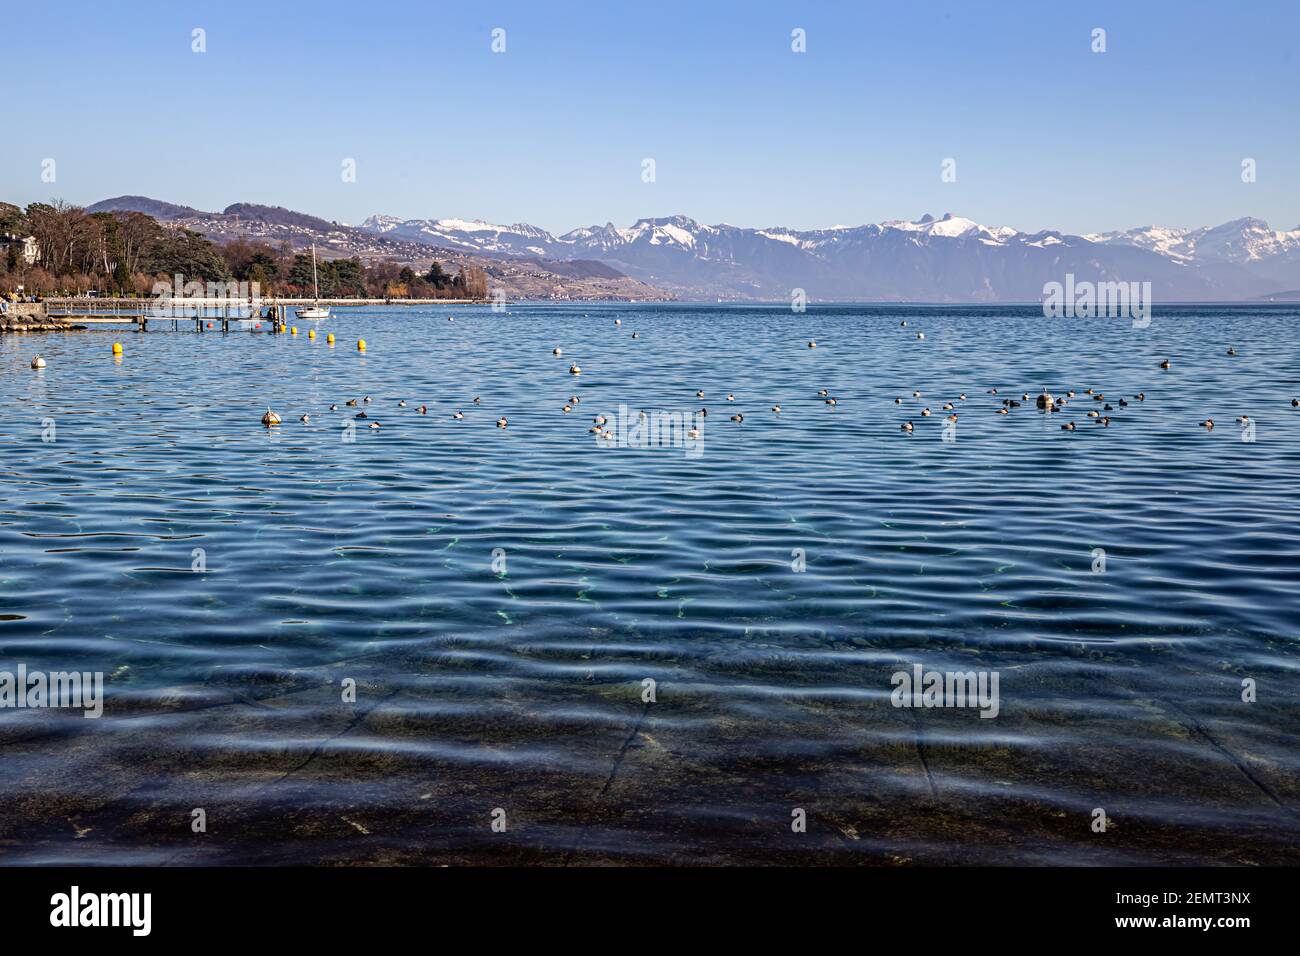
[316,311]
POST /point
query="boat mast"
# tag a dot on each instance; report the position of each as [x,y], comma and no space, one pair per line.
[315,285]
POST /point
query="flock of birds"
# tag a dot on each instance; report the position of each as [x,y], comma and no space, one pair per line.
[1044,401]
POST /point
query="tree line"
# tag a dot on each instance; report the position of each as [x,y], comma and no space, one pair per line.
[126,253]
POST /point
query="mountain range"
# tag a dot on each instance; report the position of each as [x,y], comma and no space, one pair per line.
[944,259]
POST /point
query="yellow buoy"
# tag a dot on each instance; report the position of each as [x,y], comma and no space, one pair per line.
[117,348]
[281,328]
[311,333]
[330,338]
[294,330]
[361,345]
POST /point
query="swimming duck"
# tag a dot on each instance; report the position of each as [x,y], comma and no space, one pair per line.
[38,362]
[812,345]
[898,401]
[1025,396]
[1107,408]
[1004,410]
[920,335]
[906,426]
[1045,400]
[367,399]
[501,422]
[478,400]
[925,412]
[423,409]
[704,412]
[1094,414]
[1208,424]
[458,415]
[305,419]
[1243,419]
[700,393]
[822,392]
[961,397]
[1070,394]
[362,415]
[730,397]
[1141,396]
[777,409]
[1295,403]
[374,424]
[1231,350]
[952,417]
[618,321]
[831,401]
[1068,426]
[636,335]
[1106,422]
[1165,364]
[402,403]
[903,324]
[1087,391]
[574,399]
[270,418]
[334,408]
[600,419]
[947,406]
[993,391]
[1123,403]
[352,403]
[737,417]
[567,409]
[574,370]
[916,394]
[693,433]
[594,429]
[557,351]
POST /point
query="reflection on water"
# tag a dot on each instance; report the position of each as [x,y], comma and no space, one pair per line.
[500,596]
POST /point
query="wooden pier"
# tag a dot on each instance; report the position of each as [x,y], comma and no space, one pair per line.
[202,314]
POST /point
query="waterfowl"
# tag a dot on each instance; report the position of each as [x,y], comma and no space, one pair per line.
[362,415]
[1107,408]
[920,335]
[730,397]
[1141,396]
[574,399]
[812,345]
[305,419]
[1045,400]
[567,409]
[952,417]
[916,394]
[367,399]
[906,426]
[423,409]
[574,370]
[1025,396]
[1106,422]
[903,324]
[38,362]
[334,408]
[1208,424]
[898,401]
[1231,350]
[1094,414]
[831,401]
[594,429]
[1068,426]
[737,417]
[947,406]
[925,412]
[352,403]
[402,403]
[1087,391]
[1004,410]
[822,392]
[1012,403]
[700,393]
[1243,419]
[1123,403]
[1165,364]
[777,409]
[636,335]
[557,351]
[961,397]
[501,422]
[374,424]
[704,412]
[270,418]
[993,391]
[458,415]
[1070,394]
[600,419]
[618,321]
[1295,403]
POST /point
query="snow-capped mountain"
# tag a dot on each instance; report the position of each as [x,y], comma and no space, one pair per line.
[950,258]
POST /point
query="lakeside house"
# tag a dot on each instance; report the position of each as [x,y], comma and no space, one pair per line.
[28,248]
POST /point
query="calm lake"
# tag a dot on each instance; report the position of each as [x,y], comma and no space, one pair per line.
[566,648]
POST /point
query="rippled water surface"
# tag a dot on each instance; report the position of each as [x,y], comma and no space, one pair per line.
[519,684]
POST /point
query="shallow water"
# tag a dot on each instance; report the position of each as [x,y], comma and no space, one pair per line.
[521,688]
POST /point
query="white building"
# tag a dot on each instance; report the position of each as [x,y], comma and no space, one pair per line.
[28,248]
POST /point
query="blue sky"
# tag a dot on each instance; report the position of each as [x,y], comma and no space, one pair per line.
[1045,133]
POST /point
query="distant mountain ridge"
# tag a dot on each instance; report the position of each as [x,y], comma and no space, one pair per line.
[938,259]
[949,258]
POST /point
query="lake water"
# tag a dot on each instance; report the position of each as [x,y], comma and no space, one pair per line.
[501,596]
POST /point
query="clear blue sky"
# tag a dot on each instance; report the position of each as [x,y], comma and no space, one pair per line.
[1046,134]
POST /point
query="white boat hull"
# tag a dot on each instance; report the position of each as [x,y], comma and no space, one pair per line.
[315,312]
